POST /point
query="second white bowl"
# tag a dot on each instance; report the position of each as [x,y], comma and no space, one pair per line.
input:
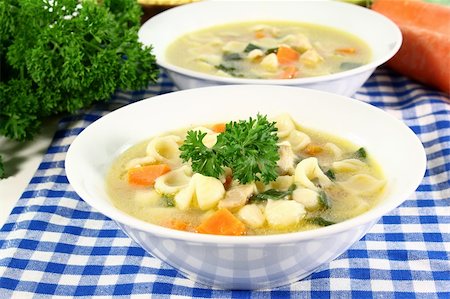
[382,35]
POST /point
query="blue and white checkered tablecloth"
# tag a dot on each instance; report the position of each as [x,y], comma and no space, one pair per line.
[54,245]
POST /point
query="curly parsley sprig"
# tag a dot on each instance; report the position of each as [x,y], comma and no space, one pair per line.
[248,147]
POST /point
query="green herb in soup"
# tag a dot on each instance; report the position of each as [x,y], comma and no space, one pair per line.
[249,177]
[269,50]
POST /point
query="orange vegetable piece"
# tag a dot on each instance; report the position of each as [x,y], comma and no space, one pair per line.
[313,149]
[287,55]
[222,222]
[176,224]
[289,72]
[147,174]
[259,34]
[219,128]
[425,51]
[345,51]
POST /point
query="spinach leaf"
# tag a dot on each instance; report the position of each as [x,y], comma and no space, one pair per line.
[168,202]
[361,153]
[272,194]
[271,50]
[324,201]
[231,56]
[330,174]
[320,221]
[231,70]
[250,47]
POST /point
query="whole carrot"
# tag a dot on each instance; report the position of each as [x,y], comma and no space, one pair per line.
[425,52]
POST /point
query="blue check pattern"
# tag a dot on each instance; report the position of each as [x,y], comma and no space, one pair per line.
[54,245]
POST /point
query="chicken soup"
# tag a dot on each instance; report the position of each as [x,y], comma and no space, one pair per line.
[269,50]
[247,177]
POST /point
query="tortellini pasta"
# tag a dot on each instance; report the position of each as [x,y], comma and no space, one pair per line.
[283,213]
[362,184]
[307,171]
[165,149]
[298,140]
[203,191]
[252,215]
[334,150]
[173,181]
[307,197]
[348,165]
[284,124]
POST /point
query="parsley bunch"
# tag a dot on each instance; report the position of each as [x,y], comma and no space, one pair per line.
[249,148]
[59,56]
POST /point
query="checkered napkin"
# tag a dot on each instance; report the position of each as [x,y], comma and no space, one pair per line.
[55,245]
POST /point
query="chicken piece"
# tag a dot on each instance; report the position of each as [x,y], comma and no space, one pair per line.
[287,159]
[237,196]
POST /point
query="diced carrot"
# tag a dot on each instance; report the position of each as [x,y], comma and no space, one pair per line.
[313,149]
[259,34]
[222,222]
[176,224]
[289,72]
[219,128]
[347,51]
[425,51]
[147,174]
[287,55]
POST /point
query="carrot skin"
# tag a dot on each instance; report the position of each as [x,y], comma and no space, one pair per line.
[425,51]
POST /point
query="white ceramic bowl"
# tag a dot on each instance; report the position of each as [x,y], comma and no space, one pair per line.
[247,262]
[382,36]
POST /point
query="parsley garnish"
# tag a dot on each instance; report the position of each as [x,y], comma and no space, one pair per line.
[249,148]
[204,160]
[2,169]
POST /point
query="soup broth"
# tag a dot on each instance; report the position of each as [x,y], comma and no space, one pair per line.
[321,180]
[269,50]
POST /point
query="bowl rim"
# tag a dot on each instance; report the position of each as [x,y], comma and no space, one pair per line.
[162,62]
[373,215]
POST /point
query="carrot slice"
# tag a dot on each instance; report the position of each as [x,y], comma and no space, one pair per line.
[425,51]
[147,174]
[222,222]
[287,55]
[176,224]
[289,72]
[313,149]
[347,51]
[259,34]
[219,128]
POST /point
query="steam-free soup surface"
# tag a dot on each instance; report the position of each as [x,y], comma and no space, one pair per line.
[269,50]
[320,180]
